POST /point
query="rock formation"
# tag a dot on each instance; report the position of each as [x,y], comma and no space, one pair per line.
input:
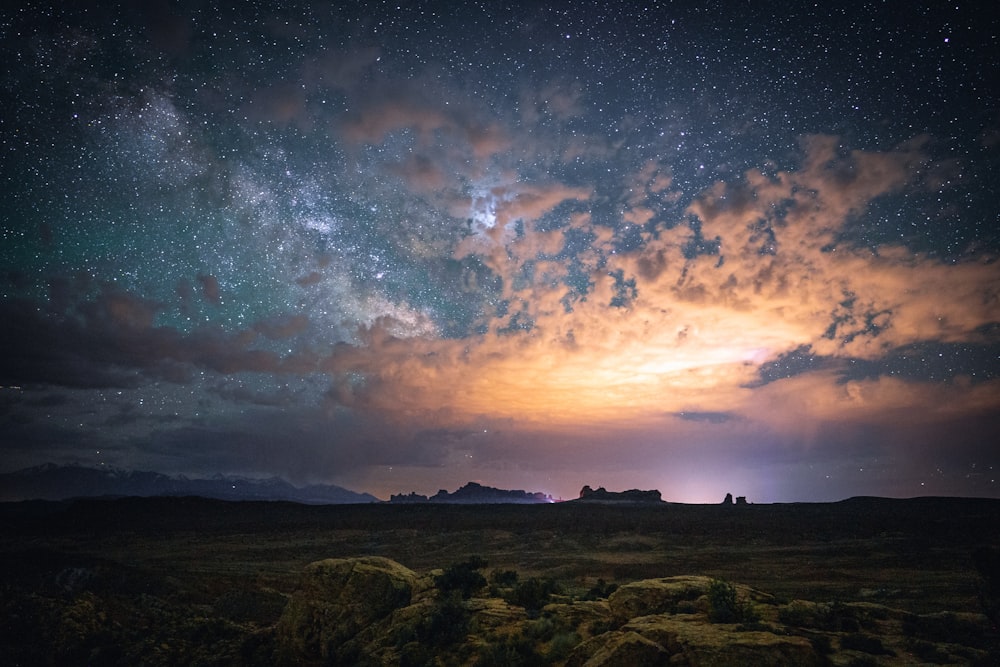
[602,495]
[373,611]
[476,494]
[337,600]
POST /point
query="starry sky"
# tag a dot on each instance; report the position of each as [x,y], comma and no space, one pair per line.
[699,247]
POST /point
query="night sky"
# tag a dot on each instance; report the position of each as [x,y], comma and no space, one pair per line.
[699,247]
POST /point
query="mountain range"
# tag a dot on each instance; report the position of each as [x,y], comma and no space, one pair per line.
[54,482]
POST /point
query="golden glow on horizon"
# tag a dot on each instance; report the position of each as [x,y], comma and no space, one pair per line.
[692,337]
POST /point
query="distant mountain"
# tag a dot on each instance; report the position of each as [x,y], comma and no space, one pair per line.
[54,482]
[602,495]
[475,494]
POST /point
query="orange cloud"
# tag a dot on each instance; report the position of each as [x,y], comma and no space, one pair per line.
[693,337]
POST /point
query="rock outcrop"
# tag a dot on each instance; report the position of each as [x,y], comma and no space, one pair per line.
[476,494]
[689,640]
[339,598]
[373,611]
[602,495]
[618,649]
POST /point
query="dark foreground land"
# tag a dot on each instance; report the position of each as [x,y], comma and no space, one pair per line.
[187,580]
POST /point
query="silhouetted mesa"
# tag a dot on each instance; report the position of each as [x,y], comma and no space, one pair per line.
[475,494]
[602,495]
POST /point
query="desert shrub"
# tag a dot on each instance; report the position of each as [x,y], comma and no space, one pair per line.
[725,607]
[447,623]
[561,645]
[542,629]
[533,594]
[501,581]
[528,648]
[503,578]
[864,643]
[462,577]
[600,590]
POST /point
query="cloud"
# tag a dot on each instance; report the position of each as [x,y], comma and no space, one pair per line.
[282,326]
[709,417]
[685,333]
[112,340]
[702,322]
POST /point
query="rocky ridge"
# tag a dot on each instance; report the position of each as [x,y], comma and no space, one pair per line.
[374,611]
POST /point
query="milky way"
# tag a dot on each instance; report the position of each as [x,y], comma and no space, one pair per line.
[402,246]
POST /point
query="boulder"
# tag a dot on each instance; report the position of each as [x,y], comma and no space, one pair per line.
[493,614]
[618,649]
[671,595]
[658,596]
[379,643]
[336,599]
[689,640]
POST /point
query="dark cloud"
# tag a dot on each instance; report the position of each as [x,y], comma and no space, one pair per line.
[111,341]
[282,326]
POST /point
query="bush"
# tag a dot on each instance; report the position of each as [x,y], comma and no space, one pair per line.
[462,577]
[600,590]
[501,581]
[533,594]
[447,623]
[724,607]
[503,578]
[561,645]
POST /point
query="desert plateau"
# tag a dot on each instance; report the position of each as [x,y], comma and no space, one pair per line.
[167,581]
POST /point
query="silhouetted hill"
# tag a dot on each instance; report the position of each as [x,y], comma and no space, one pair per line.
[475,494]
[53,482]
[602,495]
